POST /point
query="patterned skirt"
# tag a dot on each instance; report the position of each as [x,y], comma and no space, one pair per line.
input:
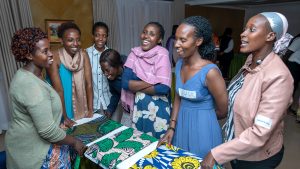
[151,114]
[58,157]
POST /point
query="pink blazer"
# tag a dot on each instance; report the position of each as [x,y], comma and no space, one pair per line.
[259,109]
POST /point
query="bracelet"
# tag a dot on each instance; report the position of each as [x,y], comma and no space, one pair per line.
[173,120]
[171,128]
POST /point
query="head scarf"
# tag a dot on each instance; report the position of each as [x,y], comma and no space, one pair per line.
[279,25]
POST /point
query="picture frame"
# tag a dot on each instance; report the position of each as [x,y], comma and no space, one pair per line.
[51,27]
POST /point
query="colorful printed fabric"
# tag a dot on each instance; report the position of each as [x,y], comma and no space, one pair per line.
[58,157]
[151,114]
[169,156]
[93,130]
[117,148]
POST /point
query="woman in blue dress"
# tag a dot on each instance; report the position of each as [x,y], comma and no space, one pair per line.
[201,97]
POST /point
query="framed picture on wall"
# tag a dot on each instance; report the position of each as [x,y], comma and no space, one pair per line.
[52,29]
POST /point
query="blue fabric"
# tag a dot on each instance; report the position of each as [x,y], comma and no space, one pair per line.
[151,114]
[2,160]
[168,157]
[58,157]
[115,90]
[126,76]
[197,121]
[66,81]
[160,89]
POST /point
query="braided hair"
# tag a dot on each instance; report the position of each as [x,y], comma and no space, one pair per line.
[24,41]
[202,30]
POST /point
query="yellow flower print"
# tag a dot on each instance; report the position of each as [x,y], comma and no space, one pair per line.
[171,147]
[153,154]
[135,167]
[185,162]
[149,167]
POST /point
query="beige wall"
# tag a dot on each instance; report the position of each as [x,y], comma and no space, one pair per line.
[220,18]
[81,11]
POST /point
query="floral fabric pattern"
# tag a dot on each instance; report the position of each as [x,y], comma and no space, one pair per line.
[169,156]
[151,114]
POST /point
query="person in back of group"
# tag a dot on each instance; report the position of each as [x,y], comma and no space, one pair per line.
[293,63]
[147,74]
[259,96]
[170,46]
[201,97]
[70,75]
[102,95]
[225,54]
[34,139]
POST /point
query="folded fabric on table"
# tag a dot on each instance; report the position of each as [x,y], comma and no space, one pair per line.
[169,156]
[113,150]
[93,130]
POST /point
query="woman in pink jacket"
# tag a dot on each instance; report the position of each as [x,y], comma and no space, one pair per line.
[259,96]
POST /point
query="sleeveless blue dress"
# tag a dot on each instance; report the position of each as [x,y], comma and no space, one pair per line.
[197,129]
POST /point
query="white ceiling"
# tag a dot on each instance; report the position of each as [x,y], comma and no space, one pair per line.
[236,3]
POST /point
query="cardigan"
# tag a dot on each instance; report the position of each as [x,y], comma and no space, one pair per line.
[36,115]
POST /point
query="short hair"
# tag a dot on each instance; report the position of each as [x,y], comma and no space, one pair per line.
[65,26]
[99,24]
[160,27]
[24,42]
[202,30]
[112,57]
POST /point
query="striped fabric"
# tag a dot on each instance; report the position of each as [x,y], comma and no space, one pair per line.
[235,85]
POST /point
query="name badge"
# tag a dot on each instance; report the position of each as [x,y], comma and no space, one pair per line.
[263,121]
[187,93]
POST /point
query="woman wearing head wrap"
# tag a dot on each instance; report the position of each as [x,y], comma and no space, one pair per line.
[259,96]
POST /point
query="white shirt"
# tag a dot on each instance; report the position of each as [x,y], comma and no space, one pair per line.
[100,84]
[230,46]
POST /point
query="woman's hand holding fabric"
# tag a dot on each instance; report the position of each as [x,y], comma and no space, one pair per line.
[208,162]
[89,114]
[167,138]
[79,147]
[107,114]
[68,122]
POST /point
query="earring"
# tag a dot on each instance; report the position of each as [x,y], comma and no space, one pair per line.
[259,61]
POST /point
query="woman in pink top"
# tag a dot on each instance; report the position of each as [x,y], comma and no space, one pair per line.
[259,96]
[147,74]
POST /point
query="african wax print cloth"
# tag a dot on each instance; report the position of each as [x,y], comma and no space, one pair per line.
[115,149]
[57,157]
[93,130]
[169,156]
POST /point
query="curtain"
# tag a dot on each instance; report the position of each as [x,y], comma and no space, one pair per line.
[127,18]
[15,14]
